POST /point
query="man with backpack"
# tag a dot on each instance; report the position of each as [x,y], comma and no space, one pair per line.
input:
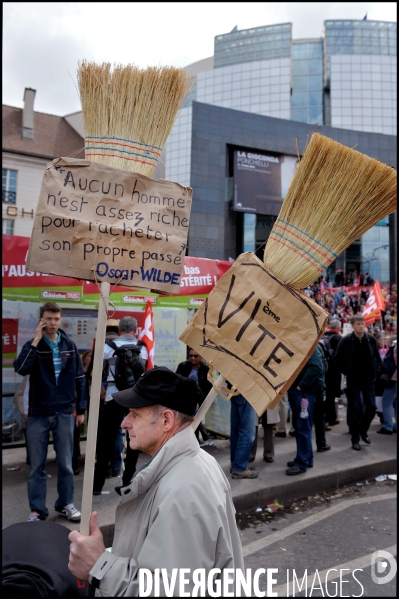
[125,360]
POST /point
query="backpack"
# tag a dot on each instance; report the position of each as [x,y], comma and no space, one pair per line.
[327,351]
[128,366]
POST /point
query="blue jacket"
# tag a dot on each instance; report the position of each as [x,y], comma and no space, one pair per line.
[46,397]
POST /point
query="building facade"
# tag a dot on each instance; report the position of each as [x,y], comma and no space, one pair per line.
[271,92]
[30,141]
[262,93]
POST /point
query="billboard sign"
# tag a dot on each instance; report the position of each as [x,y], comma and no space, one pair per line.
[261,180]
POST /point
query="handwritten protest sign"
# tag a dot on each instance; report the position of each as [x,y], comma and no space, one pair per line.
[256,331]
[98,223]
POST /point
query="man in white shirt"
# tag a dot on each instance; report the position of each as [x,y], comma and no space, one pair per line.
[114,413]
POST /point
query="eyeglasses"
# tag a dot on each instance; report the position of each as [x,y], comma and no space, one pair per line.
[193,355]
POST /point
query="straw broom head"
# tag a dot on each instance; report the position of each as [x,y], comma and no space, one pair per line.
[129,112]
[336,195]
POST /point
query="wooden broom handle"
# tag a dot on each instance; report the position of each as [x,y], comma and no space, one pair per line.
[208,401]
[87,496]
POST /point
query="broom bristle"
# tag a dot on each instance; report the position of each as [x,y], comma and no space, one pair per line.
[336,195]
[129,112]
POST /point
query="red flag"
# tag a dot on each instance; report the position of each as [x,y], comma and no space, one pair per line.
[378,295]
[356,282]
[375,303]
[147,335]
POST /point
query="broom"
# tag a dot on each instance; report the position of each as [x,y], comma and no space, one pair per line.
[128,114]
[336,195]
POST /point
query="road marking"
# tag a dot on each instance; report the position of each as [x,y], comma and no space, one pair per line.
[293,528]
[356,564]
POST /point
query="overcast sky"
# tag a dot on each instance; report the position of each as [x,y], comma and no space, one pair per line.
[44,41]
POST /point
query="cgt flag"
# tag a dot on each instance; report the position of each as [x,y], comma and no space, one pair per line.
[147,335]
[374,305]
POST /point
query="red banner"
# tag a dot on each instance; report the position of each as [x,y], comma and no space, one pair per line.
[375,303]
[14,273]
[147,335]
[9,332]
[199,275]
[9,337]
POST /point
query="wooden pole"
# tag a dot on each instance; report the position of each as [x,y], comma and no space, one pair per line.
[91,442]
[208,401]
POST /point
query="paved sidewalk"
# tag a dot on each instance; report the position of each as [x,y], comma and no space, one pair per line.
[341,465]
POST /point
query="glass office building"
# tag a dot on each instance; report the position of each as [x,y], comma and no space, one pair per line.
[342,84]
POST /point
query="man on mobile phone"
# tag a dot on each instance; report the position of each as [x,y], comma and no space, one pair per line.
[57,403]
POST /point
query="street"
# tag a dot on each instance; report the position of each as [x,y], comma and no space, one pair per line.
[323,546]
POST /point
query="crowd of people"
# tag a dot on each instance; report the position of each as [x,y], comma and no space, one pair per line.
[181,493]
[344,301]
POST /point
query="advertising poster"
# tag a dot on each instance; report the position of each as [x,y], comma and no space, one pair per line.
[80,326]
[169,323]
[217,418]
[261,180]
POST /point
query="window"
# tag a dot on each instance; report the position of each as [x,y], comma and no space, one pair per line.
[8,226]
[299,114]
[299,67]
[299,50]
[9,186]
[298,99]
[299,82]
[316,82]
[315,98]
[316,115]
[315,66]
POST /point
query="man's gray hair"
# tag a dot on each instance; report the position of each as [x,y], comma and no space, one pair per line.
[335,324]
[181,418]
[127,324]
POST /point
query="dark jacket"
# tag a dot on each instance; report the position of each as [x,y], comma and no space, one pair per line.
[35,562]
[344,356]
[46,397]
[311,377]
[333,338]
[184,368]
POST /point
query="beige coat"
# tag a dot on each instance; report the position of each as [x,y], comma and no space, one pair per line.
[176,513]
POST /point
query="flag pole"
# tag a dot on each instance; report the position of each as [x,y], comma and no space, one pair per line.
[87,496]
[208,401]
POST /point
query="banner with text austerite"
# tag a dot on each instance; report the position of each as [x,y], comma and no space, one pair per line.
[21,284]
[197,280]
[98,223]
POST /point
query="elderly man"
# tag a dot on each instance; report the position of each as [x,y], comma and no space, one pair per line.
[177,512]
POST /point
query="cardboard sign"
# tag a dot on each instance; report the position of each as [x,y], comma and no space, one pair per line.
[256,331]
[98,223]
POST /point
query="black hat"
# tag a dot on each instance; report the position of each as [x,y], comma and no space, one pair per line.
[161,386]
